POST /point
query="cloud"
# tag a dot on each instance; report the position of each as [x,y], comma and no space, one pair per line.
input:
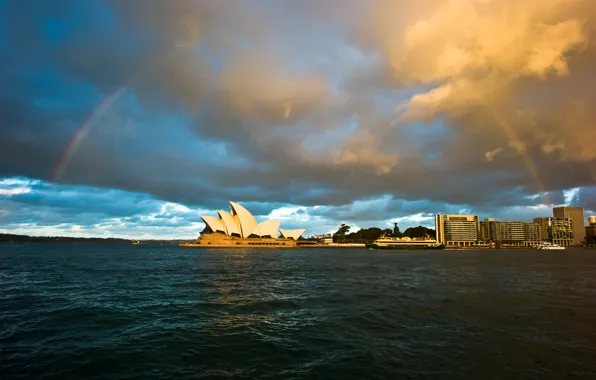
[295,103]
[482,58]
[489,156]
[253,88]
[586,197]
[50,209]
[44,208]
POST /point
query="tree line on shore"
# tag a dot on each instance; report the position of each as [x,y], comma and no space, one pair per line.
[366,235]
[57,239]
[8,238]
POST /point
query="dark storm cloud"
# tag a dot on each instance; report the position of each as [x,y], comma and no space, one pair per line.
[586,197]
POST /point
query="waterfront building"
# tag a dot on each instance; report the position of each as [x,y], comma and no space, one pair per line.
[532,234]
[519,234]
[591,232]
[239,228]
[508,232]
[556,230]
[485,230]
[327,240]
[576,216]
[457,230]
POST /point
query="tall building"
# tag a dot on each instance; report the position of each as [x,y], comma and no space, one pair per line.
[555,230]
[591,231]
[485,230]
[515,233]
[576,215]
[532,232]
[457,230]
[508,232]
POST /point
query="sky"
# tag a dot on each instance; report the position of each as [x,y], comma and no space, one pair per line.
[129,118]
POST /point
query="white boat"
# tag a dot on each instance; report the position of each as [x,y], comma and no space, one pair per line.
[550,246]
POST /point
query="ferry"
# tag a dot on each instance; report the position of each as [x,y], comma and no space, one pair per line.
[550,246]
[405,243]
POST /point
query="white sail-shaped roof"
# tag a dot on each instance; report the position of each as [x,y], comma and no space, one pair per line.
[241,222]
[267,228]
[292,234]
[230,222]
[214,224]
[248,223]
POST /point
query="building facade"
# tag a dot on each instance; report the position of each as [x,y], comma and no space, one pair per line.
[576,216]
[508,232]
[457,230]
[519,234]
[485,230]
[556,231]
[532,233]
[591,231]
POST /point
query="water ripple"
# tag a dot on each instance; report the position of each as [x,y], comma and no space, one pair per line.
[139,312]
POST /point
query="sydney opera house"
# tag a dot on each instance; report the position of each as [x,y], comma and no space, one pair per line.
[239,228]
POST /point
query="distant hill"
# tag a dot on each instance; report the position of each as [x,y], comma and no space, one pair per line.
[7,238]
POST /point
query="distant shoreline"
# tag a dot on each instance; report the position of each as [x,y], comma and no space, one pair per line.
[13,238]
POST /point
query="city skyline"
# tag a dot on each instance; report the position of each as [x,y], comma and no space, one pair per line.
[566,228]
[133,118]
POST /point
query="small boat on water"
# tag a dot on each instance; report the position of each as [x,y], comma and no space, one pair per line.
[405,243]
[550,246]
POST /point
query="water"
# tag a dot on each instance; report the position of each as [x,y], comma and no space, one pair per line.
[143,312]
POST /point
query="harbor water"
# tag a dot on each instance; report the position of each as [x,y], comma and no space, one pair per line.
[76,311]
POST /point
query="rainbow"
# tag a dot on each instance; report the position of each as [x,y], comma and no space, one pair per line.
[82,131]
[527,158]
[106,103]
